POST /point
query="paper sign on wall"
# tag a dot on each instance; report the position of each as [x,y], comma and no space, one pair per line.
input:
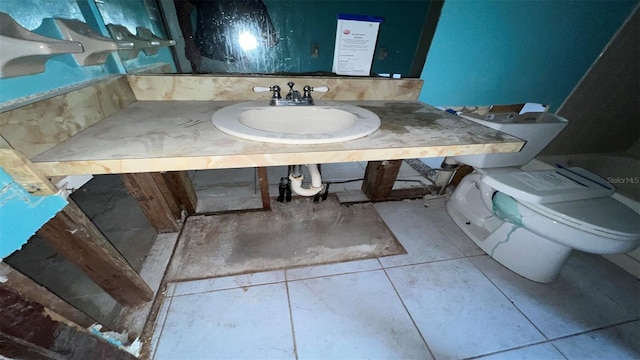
[356,37]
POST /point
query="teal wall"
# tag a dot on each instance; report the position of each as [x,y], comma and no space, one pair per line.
[22,214]
[503,52]
[59,74]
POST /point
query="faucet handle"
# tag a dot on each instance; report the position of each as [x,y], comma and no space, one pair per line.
[274,88]
[262,88]
[308,89]
[320,88]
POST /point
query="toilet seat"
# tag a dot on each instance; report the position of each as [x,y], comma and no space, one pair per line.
[581,199]
[604,216]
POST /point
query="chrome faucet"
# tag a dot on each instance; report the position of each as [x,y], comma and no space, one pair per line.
[293,98]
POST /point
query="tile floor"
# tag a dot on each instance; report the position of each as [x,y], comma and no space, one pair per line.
[444,299]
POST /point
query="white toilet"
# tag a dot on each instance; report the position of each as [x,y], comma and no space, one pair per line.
[530,222]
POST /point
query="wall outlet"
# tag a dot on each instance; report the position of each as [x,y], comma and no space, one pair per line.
[382,53]
[315,50]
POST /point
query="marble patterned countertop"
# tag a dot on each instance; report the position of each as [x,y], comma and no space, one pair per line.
[150,136]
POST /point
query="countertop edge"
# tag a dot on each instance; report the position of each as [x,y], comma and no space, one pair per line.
[158,164]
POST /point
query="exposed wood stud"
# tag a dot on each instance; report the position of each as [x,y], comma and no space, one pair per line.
[24,173]
[144,189]
[75,237]
[401,194]
[263,180]
[173,204]
[182,189]
[29,289]
[379,178]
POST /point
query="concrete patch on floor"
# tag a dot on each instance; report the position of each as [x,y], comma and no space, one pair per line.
[292,234]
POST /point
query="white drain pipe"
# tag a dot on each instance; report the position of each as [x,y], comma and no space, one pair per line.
[316,182]
[444,175]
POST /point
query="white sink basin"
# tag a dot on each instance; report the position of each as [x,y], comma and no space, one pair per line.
[325,122]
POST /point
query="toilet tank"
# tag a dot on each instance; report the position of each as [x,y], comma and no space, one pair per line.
[537,129]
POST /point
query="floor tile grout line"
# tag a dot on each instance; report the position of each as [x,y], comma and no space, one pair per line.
[605,327]
[230,288]
[558,350]
[182,281]
[272,282]
[536,343]
[550,341]
[382,267]
[547,339]
[426,262]
[408,312]
[510,301]
[293,330]
[164,321]
[170,290]
[265,283]
[335,274]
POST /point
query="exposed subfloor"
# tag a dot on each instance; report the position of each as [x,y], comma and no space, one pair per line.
[295,233]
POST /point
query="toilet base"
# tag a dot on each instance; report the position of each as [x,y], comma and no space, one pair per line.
[518,249]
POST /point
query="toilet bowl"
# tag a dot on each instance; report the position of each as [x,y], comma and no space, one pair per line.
[531,222]
[535,240]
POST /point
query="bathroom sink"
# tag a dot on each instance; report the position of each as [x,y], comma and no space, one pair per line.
[325,122]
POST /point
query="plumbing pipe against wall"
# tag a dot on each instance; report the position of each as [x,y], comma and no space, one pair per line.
[443,178]
[296,178]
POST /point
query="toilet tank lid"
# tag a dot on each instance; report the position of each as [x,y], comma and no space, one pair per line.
[549,185]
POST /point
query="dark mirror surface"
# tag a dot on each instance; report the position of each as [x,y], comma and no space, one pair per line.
[292,37]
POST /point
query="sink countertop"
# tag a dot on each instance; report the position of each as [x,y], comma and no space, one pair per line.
[150,136]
